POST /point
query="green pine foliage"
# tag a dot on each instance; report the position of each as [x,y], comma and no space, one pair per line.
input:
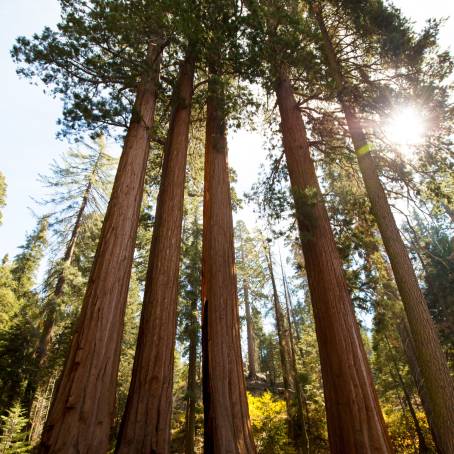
[13,437]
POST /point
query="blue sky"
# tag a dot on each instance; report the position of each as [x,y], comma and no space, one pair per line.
[28,116]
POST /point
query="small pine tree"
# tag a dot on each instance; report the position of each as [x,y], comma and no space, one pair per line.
[14,436]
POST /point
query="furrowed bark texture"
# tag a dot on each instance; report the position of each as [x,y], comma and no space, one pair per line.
[355,422]
[145,426]
[227,425]
[82,410]
[431,359]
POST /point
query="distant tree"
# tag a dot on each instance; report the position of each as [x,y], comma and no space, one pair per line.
[296,422]
[19,333]
[2,195]
[190,317]
[9,302]
[25,264]
[434,245]
[252,280]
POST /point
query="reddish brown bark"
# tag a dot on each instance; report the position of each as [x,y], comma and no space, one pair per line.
[429,353]
[227,425]
[145,425]
[82,410]
[355,422]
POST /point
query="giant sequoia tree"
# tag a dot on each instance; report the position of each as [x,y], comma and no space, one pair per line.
[354,425]
[2,195]
[75,54]
[431,359]
[149,401]
[227,427]
[96,343]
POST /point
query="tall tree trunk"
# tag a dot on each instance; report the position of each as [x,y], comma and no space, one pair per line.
[409,348]
[227,425]
[296,423]
[252,372]
[191,391]
[145,426]
[355,422]
[429,353]
[82,410]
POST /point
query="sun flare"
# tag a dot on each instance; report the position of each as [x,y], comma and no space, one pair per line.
[406,128]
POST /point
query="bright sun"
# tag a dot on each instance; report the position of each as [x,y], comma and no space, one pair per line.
[406,128]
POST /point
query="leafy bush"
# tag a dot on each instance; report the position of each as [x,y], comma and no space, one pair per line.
[269,424]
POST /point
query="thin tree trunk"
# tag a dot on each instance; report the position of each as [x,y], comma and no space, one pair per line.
[145,426]
[301,398]
[421,439]
[429,353]
[191,391]
[252,372]
[82,411]
[227,425]
[355,422]
[284,352]
[296,424]
[409,348]
[296,327]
